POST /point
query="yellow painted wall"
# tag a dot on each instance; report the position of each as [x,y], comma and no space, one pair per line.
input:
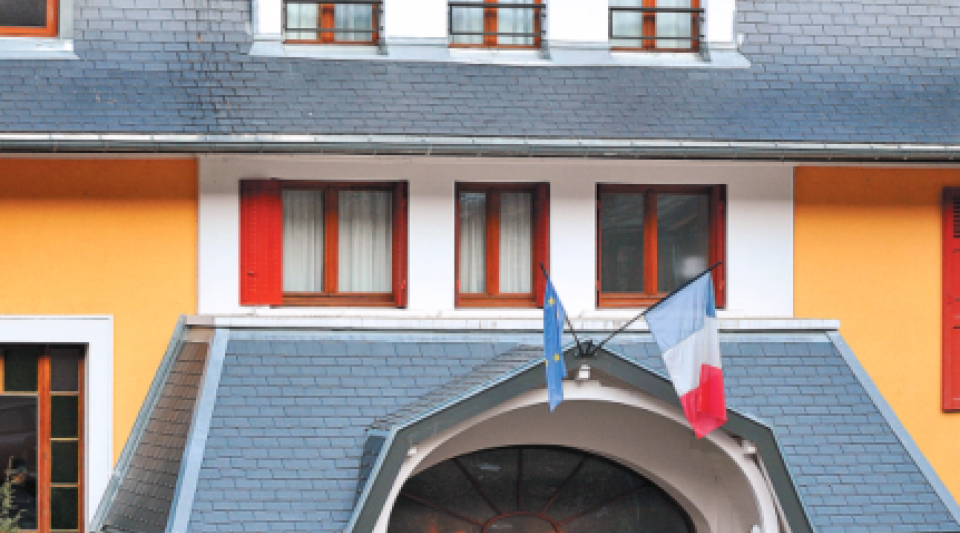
[115,237]
[868,251]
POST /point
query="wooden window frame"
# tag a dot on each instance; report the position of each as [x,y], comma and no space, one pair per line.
[717,243]
[950,353]
[491,23]
[540,193]
[44,402]
[267,261]
[327,21]
[649,29]
[50,29]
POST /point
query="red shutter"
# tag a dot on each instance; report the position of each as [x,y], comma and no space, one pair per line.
[951,299]
[541,246]
[261,243]
[400,244]
[718,244]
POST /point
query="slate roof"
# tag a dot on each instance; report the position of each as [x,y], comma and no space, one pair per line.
[827,70]
[143,500]
[294,409]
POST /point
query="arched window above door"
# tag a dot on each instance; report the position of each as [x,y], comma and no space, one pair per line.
[534,489]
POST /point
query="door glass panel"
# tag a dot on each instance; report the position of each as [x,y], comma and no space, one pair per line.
[20,368]
[621,238]
[64,369]
[683,238]
[64,462]
[64,508]
[64,418]
[18,451]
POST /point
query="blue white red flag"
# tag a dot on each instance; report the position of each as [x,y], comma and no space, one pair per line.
[685,328]
[553,318]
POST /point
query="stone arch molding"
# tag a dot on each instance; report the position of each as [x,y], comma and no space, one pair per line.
[720,487]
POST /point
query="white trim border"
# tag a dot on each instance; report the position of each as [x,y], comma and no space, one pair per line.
[96,331]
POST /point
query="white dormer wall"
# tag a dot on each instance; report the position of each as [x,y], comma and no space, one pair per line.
[577,33]
[759,227]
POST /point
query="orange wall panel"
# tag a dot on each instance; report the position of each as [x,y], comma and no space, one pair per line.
[868,251]
[115,237]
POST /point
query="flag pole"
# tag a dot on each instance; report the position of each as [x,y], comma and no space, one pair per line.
[651,308]
[570,324]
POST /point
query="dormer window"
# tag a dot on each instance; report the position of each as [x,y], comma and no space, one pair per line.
[28,18]
[496,23]
[656,25]
[348,22]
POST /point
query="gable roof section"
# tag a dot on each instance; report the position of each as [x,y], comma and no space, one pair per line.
[301,416]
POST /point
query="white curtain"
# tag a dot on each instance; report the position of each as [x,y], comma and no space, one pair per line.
[473,232]
[303,16]
[469,19]
[516,241]
[351,17]
[365,256]
[673,25]
[302,241]
[515,21]
[627,23]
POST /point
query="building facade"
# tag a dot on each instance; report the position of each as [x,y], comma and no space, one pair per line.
[348,206]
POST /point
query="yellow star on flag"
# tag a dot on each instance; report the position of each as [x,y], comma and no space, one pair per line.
[551,301]
[556,357]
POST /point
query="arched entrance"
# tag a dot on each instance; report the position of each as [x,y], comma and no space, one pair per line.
[534,489]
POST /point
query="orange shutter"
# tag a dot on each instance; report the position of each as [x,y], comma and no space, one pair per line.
[951,299]
[400,244]
[718,243]
[541,236]
[261,243]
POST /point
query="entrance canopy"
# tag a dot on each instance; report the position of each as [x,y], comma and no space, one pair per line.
[308,429]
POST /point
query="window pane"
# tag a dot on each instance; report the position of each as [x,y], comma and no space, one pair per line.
[29,13]
[516,242]
[621,238]
[627,24]
[64,369]
[366,241]
[515,20]
[20,368]
[683,238]
[18,453]
[467,19]
[521,524]
[65,462]
[473,237]
[302,241]
[409,516]
[64,418]
[444,485]
[544,471]
[64,508]
[352,17]
[302,16]
[673,25]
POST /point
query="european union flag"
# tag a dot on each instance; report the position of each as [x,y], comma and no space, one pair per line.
[554,317]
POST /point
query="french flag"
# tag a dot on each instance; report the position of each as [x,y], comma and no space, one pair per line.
[685,327]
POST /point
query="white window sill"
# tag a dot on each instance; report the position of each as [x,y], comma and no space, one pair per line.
[556,54]
[36,48]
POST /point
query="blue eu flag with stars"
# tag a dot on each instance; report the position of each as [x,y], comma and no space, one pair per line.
[553,318]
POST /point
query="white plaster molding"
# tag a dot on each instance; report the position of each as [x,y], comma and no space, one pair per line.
[96,331]
[429,451]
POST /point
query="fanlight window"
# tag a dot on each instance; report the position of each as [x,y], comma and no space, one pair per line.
[534,490]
